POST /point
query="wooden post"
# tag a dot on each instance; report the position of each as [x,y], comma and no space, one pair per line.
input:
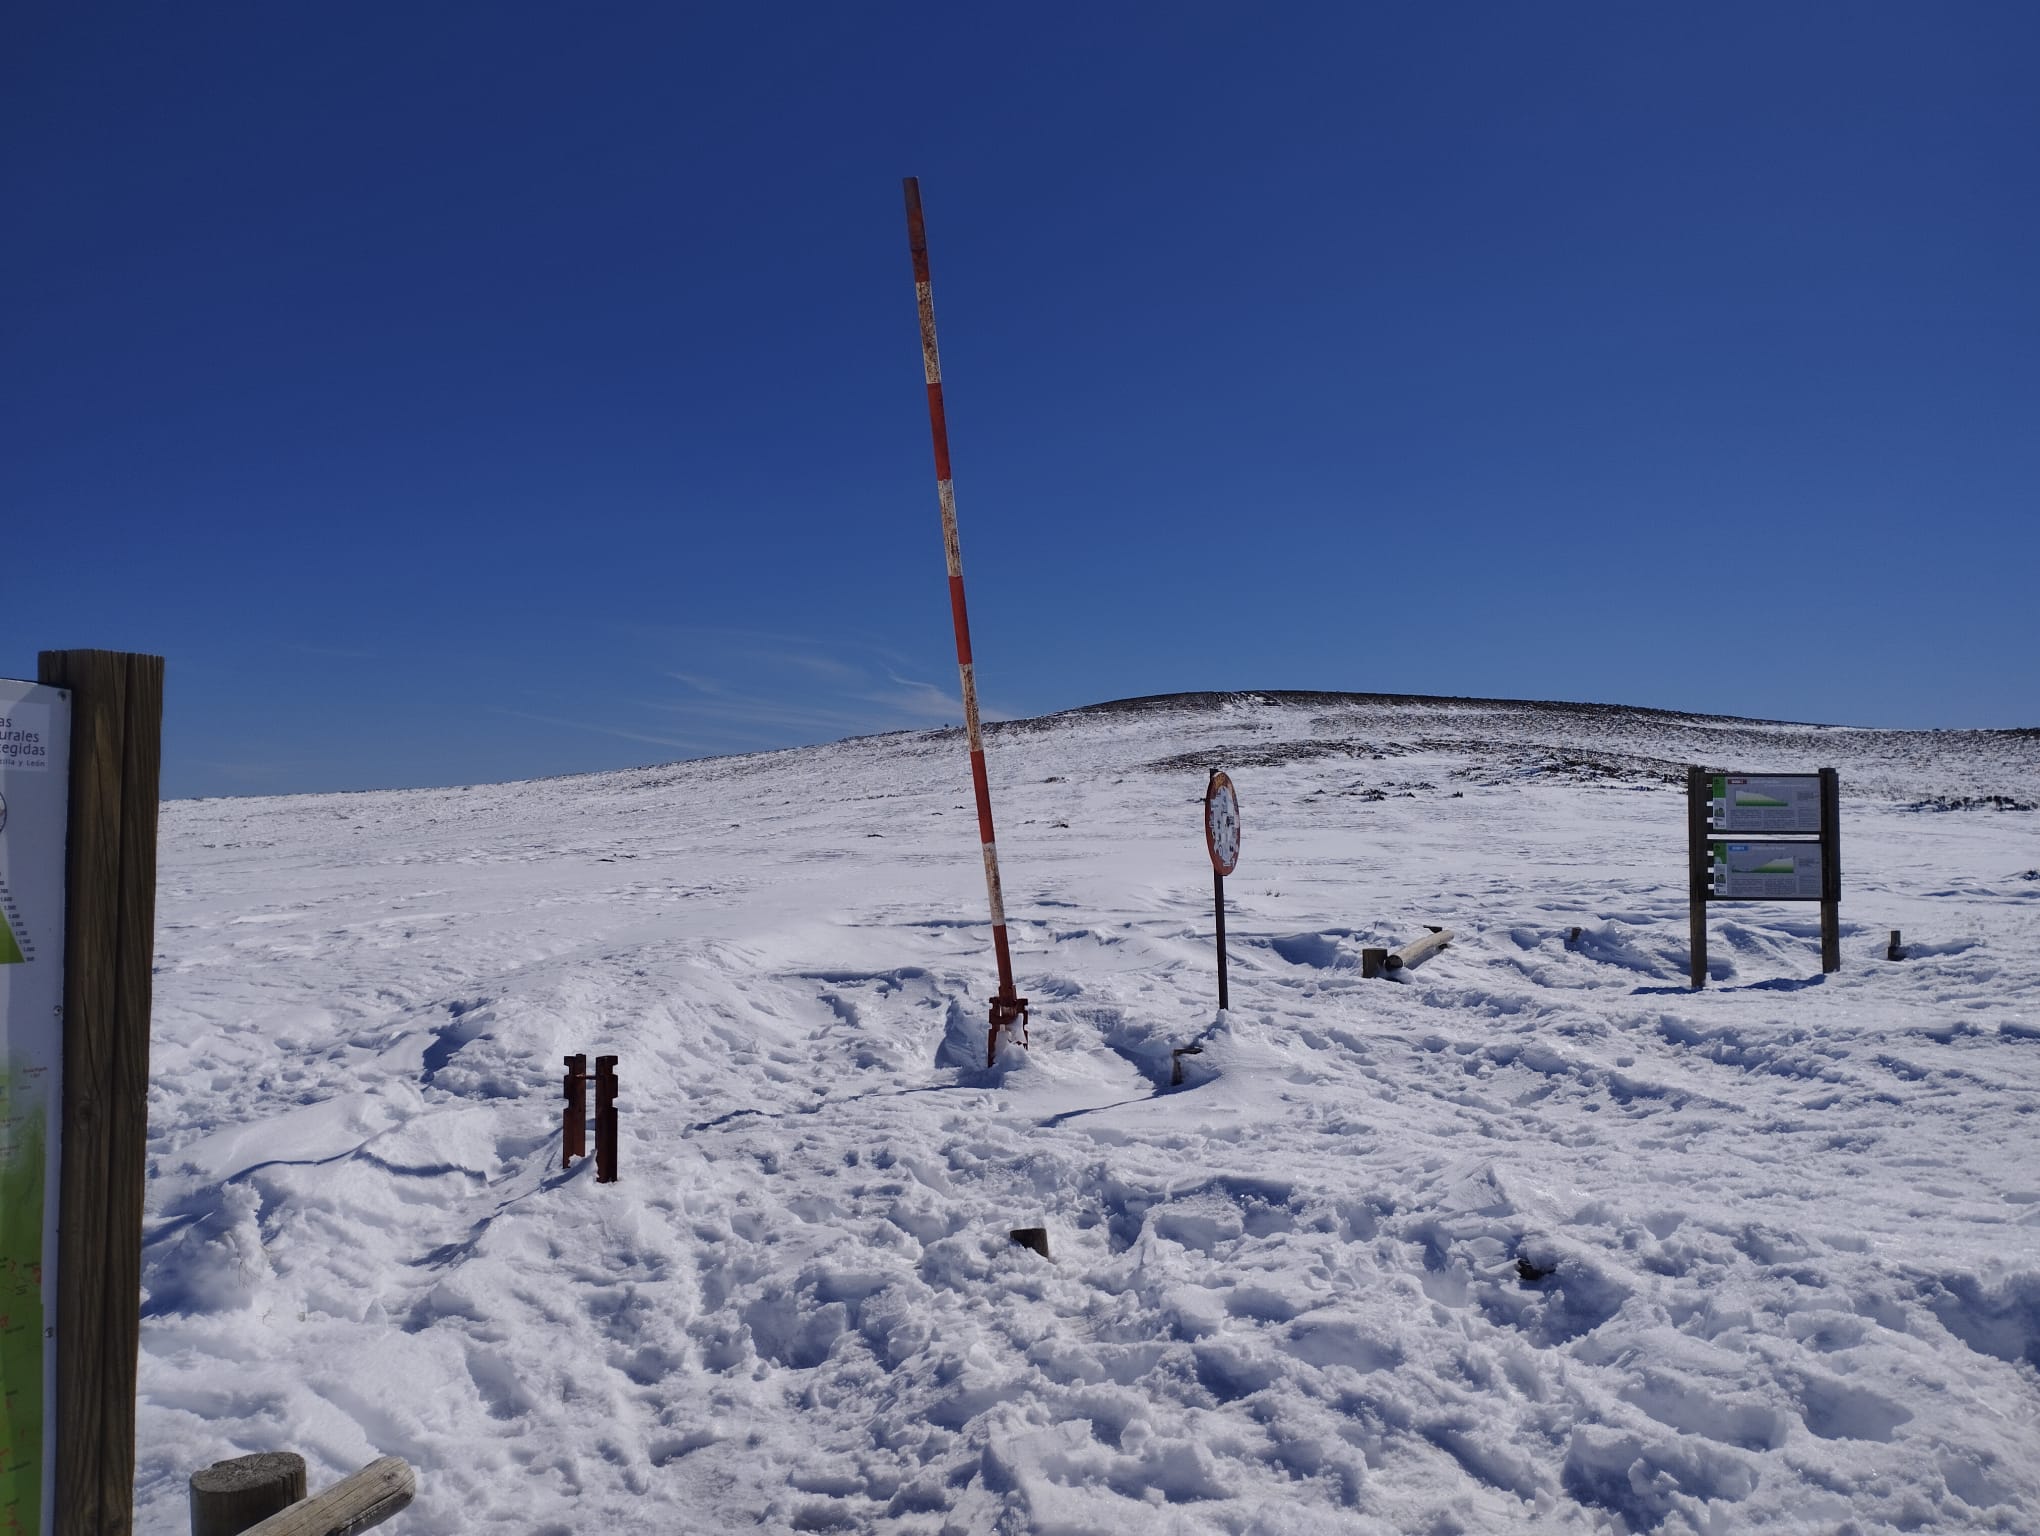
[1373,961]
[1894,950]
[229,1496]
[605,1119]
[1696,870]
[109,952]
[574,1117]
[369,1497]
[1417,949]
[1830,870]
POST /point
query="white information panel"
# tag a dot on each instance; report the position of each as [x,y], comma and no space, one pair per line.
[1784,802]
[1765,871]
[35,740]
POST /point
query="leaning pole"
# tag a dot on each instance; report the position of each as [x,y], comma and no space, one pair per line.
[1008,1008]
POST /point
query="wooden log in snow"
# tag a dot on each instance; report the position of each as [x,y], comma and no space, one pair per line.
[1417,949]
[368,1498]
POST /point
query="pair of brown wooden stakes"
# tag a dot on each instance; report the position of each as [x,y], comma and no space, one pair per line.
[574,1118]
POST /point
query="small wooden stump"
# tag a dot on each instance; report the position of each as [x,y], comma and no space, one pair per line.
[230,1496]
[1894,950]
[1032,1237]
[1373,962]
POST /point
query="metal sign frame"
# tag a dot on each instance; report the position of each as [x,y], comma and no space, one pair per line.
[1703,831]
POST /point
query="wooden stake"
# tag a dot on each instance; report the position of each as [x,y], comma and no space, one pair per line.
[229,1496]
[605,1119]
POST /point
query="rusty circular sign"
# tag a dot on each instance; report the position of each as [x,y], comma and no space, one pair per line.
[1222,823]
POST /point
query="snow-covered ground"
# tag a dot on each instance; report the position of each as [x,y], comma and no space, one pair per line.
[1786,1231]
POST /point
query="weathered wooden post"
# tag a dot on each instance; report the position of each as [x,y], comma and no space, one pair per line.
[229,1496]
[109,950]
[1698,871]
[574,1117]
[605,1119]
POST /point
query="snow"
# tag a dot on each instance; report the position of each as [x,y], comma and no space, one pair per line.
[1534,1238]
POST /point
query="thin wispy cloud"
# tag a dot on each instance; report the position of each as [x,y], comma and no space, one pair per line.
[726,689]
[680,744]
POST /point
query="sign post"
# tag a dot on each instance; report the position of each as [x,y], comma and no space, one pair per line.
[116,752]
[1222,842]
[1764,837]
[35,742]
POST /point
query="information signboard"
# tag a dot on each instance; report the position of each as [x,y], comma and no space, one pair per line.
[1778,802]
[35,737]
[1765,871]
[1780,866]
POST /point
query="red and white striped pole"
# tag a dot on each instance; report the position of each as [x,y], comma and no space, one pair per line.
[1008,1009]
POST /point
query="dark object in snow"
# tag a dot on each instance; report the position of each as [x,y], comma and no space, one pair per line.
[1894,950]
[1572,937]
[1176,1061]
[229,1496]
[1530,1274]
[574,1118]
[1032,1237]
[605,1119]
[1973,803]
[1373,962]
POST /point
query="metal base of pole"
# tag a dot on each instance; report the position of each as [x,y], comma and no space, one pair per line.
[1006,1012]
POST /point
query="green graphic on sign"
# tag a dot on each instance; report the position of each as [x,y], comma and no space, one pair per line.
[1764,871]
[1779,802]
[23,1169]
[10,947]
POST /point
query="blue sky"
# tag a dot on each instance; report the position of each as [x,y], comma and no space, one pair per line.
[469,392]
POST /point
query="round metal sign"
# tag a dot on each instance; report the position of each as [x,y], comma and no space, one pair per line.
[1222,823]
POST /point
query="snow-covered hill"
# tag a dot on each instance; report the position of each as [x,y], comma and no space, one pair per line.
[1534,1239]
